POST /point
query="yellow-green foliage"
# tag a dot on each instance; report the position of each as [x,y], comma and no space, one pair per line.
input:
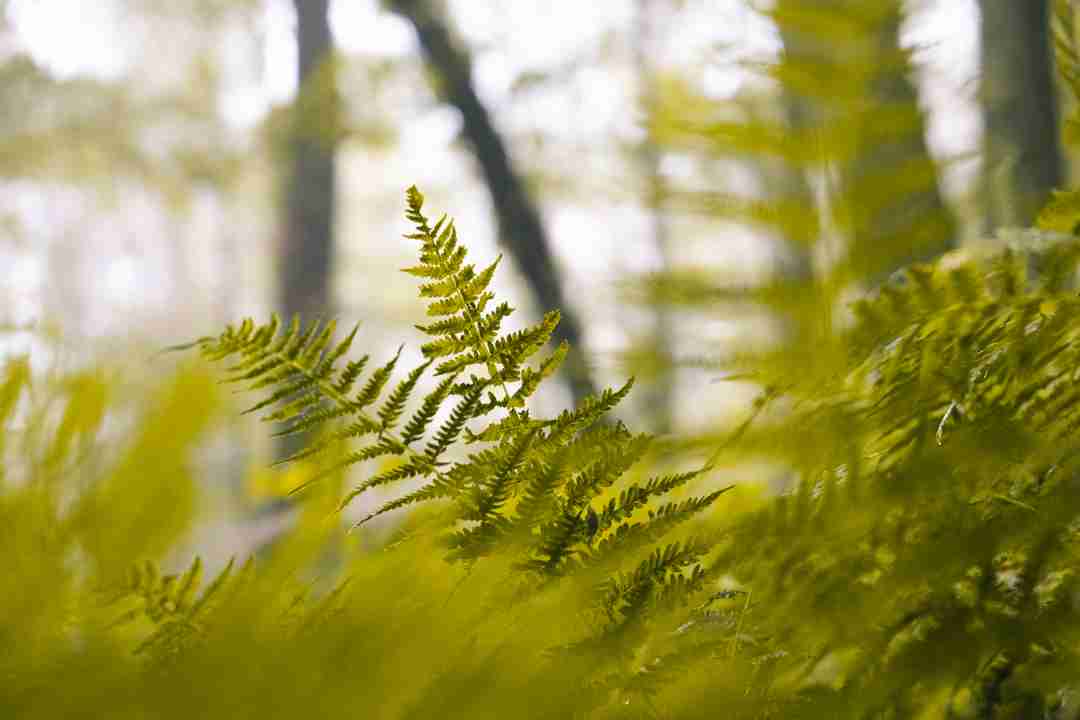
[931,534]
[578,571]
[1062,213]
[73,518]
[925,564]
[551,493]
[921,561]
[529,477]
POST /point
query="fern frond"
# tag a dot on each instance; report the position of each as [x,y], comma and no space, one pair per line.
[440,488]
[515,421]
[395,404]
[451,429]
[313,419]
[536,479]
[531,379]
[655,578]
[348,377]
[627,538]
[488,497]
[375,384]
[613,457]
[637,495]
[538,496]
[412,467]
[173,603]
[588,412]
[200,606]
[417,425]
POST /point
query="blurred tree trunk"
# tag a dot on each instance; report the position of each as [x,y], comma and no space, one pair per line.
[306,256]
[1022,154]
[914,224]
[854,83]
[310,183]
[796,262]
[520,227]
[660,395]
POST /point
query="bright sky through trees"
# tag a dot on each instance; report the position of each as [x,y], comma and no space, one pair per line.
[91,40]
[592,113]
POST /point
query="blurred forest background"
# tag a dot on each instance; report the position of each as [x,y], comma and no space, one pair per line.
[168,167]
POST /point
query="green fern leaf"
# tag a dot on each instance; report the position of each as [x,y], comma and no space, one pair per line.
[395,404]
[375,384]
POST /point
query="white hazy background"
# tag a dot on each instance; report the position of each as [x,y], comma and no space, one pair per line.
[588,107]
[116,267]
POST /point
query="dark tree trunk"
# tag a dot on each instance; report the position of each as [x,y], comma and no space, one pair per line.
[796,262]
[520,227]
[660,397]
[887,200]
[914,225]
[307,255]
[1022,154]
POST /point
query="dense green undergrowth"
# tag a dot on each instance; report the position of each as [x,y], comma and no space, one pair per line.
[929,567]
[548,567]
[922,562]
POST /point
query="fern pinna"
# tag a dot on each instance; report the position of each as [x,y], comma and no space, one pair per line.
[548,487]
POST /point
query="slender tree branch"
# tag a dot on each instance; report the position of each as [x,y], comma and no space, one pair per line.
[521,229]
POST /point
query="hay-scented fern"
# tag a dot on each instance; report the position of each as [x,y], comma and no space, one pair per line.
[922,558]
[551,493]
[575,562]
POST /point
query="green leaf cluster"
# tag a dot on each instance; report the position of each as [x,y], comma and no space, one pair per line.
[913,555]
[932,525]
[483,382]
[921,559]
[567,560]
[553,497]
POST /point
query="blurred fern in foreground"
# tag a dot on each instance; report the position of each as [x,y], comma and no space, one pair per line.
[925,559]
[925,563]
[575,563]
[920,558]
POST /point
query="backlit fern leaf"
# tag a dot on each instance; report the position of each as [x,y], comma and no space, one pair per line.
[550,491]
